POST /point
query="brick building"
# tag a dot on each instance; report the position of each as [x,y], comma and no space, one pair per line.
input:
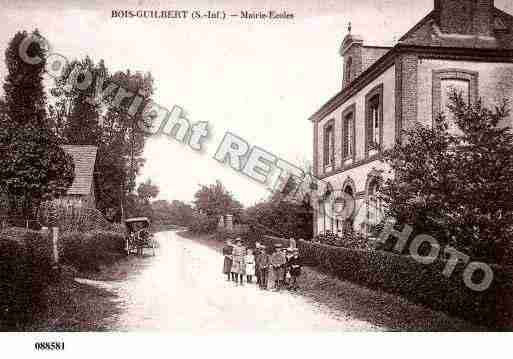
[461,44]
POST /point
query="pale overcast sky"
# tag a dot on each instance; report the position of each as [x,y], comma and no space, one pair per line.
[258,79]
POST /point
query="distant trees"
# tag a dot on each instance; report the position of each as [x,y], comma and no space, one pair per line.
[457,187]
[281,216]
[215,200]
[138,204]
[211,202]
[147,190]
[174,212]
[32,166]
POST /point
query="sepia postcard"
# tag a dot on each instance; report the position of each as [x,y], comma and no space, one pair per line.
[255,177]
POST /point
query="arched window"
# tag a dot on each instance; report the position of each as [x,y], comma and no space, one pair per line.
[347,70]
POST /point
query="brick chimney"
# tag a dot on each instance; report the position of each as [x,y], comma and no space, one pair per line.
[465,17]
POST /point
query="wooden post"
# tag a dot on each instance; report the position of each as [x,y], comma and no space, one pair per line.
[55,240]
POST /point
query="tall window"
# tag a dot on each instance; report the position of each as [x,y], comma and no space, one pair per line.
[374,119]
[444,83]
[348,132]
[349,64]
[374,122]
[329,144]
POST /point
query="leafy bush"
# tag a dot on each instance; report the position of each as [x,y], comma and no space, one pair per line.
[201,224]
[277,216]
[456,186]
[87,251]
[26,266]
[419,282]
[70,217]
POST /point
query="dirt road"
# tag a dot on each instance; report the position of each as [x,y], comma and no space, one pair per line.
[182,288]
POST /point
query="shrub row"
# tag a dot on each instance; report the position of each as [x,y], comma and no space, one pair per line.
[419,282]
[72,217]
[271,241]
[25,269]
[26,261]
[89,250]
[349,239]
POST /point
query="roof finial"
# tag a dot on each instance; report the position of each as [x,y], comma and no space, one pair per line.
[349,27]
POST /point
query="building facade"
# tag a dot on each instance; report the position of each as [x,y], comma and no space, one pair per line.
[465,45]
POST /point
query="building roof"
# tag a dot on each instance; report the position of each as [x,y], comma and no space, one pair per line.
[426,36]
[427,33]
[84,158]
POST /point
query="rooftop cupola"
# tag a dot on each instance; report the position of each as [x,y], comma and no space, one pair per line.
[351,52]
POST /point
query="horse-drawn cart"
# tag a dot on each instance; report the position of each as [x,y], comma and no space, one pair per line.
[138,236]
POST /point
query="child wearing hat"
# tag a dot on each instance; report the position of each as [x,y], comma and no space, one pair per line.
[227,265]
[262,261]
[277,268]
[238,266]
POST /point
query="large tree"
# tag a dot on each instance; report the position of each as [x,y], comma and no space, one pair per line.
[83,125]
[33,167]
[456,187]
[122,143]
[105,124]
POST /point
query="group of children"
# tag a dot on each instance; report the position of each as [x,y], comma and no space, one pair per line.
[274,268]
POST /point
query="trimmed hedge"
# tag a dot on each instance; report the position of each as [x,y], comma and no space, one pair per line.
[25,270]
[26,266]
[87,251]
[419,282]
[271,241]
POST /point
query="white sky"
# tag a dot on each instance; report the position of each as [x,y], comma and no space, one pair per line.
[257,79]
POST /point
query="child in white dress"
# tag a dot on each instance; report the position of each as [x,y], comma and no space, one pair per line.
[249,260]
